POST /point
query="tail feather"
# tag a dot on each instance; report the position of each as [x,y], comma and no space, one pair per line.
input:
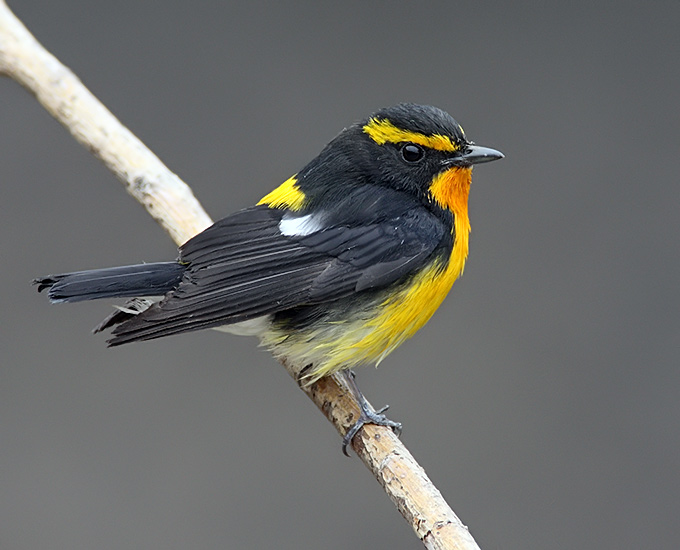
[129,281]
[129,310]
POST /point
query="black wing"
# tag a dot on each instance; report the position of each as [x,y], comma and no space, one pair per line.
[244,267]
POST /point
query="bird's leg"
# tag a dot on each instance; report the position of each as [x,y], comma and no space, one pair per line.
[368,414]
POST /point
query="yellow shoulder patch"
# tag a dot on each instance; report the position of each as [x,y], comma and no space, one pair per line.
[286,195]
[382,131]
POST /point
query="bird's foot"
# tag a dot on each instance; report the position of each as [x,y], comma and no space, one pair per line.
[367,415]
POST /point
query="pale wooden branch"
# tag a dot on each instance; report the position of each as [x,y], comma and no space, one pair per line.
[167,198]
[171,202]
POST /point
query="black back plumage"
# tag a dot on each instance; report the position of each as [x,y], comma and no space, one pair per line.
[243,267]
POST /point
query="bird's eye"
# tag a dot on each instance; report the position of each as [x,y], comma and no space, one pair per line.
[411,152]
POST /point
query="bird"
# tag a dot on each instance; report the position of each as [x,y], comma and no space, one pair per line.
[334,268]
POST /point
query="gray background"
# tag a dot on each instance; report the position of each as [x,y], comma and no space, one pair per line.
[542,398]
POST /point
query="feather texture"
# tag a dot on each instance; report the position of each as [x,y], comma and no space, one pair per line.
[244,267]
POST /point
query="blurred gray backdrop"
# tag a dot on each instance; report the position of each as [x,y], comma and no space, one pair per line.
[542,398]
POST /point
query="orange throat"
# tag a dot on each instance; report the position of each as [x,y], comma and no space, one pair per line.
[451,190]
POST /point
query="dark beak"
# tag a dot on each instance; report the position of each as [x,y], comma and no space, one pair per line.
[474,154]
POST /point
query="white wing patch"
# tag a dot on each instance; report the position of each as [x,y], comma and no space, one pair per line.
[304,225]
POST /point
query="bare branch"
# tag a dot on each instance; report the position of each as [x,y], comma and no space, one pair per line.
[165,196]
[390,462]
[171,202]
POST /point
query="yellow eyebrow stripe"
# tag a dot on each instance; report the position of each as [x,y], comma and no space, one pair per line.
[383,131]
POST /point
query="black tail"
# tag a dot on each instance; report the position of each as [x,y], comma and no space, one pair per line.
[116,282]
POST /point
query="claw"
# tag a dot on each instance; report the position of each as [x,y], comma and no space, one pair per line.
[367,416]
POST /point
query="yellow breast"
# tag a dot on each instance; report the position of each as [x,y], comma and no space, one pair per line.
[406,312]
[369,339]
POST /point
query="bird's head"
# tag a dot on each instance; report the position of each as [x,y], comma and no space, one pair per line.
[415,149]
